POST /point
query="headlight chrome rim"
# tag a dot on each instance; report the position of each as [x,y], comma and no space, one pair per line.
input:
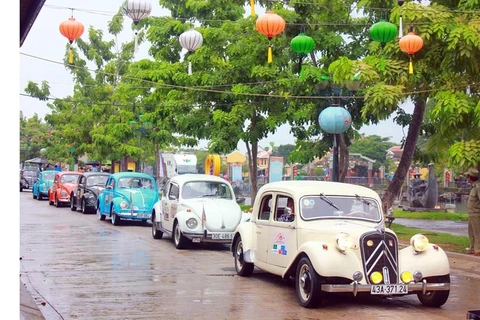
[419,242]
[191,223]
[344,242]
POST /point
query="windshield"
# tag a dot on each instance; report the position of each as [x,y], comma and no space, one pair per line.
[315,207]
[66,178]
[98,181]
[183,169]
[30,173]
[211,189]
[48,176]
[136,182]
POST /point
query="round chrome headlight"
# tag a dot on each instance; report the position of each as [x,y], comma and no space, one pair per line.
[343,242]
[419,242]
[192,223]
[124,204]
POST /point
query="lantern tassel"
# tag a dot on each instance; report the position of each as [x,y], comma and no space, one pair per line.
[70,55]
[252,8]
[270,58]
[382,63]
[410,66]
[189,68]
[400,28]
[136,42]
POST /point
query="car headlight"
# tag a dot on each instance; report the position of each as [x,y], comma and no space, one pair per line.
[419,242]
[124,204]
[343,242]
[192,223]
[63,194]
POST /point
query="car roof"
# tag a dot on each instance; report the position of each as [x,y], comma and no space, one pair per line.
[182,178]
[68,172]
[329,188]
[89,174]
[49,171]
[119,175]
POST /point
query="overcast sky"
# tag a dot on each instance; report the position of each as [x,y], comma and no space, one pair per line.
[45,41]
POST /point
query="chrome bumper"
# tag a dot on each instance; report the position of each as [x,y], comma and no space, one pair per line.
[354,287]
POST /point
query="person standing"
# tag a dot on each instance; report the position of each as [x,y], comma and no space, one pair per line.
[473,208]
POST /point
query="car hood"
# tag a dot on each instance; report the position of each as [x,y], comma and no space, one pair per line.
[221,215]
[142,198]
[69,186]
[96,189]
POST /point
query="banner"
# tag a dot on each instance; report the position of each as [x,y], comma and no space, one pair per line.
[275,172]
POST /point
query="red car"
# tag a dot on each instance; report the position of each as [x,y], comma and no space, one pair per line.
[64,183]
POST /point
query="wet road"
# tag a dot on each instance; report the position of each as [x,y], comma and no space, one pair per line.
[83,268]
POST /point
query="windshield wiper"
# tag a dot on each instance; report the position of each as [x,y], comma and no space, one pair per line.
[364,200]
[327,200]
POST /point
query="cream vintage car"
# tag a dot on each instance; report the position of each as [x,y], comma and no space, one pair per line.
[197,208]
[334,239]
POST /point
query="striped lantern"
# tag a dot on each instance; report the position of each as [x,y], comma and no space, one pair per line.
[136,10]
[191,40]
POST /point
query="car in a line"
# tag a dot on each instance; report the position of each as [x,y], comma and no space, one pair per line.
[336,241]
[127,196]
[43,183]
[30,174]
[23,182]
[89,186]
[64,182]
[197,208]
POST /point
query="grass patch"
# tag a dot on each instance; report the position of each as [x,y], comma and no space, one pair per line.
[245,207]
[445,241]
[430,215]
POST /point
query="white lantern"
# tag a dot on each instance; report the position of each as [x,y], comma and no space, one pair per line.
[136,10]
[191,40]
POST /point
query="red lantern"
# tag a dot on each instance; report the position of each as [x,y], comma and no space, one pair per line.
[411,43]
[72,30]
[270,24]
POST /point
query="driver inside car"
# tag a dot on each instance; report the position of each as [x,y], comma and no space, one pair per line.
[289,212]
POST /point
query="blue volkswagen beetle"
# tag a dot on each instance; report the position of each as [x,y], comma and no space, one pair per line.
[129,196]
[43,183]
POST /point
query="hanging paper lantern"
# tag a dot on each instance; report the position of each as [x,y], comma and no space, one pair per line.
[270,24]
[303,45]
[400,24]
[72,30]
[383,32]
[191,40]
[335,119]
[410,44]
[136,10]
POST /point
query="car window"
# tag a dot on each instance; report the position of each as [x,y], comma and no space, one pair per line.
[96,181]
[314,207]
[210,189]
[66,178]
[48,176]
[284,209]
[30,173]
[136,182]
[264,213]
[173,191]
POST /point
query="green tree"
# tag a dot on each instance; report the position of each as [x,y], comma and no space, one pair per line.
[34,136]
[373,147]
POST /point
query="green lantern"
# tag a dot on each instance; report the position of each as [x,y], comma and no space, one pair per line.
[303,45]
[383,32]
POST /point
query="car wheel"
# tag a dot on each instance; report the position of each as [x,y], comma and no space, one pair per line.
[178,238]
[115,218]
[21,189]
[156,234]
[99,215]
[435,298]
[243,268]
[39,197]
[307,284]
[73,207]
[33,195]
[50,202]
[82,205]
[57,204]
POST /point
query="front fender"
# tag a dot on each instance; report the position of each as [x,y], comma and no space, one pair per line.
[431,262]
[182,216]
[245,232]
[326,260]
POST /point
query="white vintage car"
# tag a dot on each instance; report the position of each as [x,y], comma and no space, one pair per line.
[197,208]
[333,238]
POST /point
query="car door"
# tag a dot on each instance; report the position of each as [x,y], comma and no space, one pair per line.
[80,190]
[170,205]
[108,195]
[55,186]
[262,224]
[282,240]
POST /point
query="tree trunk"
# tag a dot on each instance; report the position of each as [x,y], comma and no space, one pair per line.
[407,155]
[344,158]
[252,165]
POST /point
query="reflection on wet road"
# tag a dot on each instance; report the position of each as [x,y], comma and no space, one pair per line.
[83,268]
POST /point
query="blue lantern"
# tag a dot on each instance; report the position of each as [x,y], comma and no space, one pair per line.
[335,119]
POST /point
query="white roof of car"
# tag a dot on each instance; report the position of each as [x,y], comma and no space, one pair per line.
[301,188]
[182,178]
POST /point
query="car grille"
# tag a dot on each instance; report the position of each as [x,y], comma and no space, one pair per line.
[380,253]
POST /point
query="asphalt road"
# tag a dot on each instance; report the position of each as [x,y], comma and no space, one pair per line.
[77,267]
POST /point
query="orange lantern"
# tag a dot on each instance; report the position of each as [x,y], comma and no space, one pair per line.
[270,24]
[410,44]
[72,30]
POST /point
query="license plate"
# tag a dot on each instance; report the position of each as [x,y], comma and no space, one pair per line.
[196,240]
[222,236]
[389,289]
